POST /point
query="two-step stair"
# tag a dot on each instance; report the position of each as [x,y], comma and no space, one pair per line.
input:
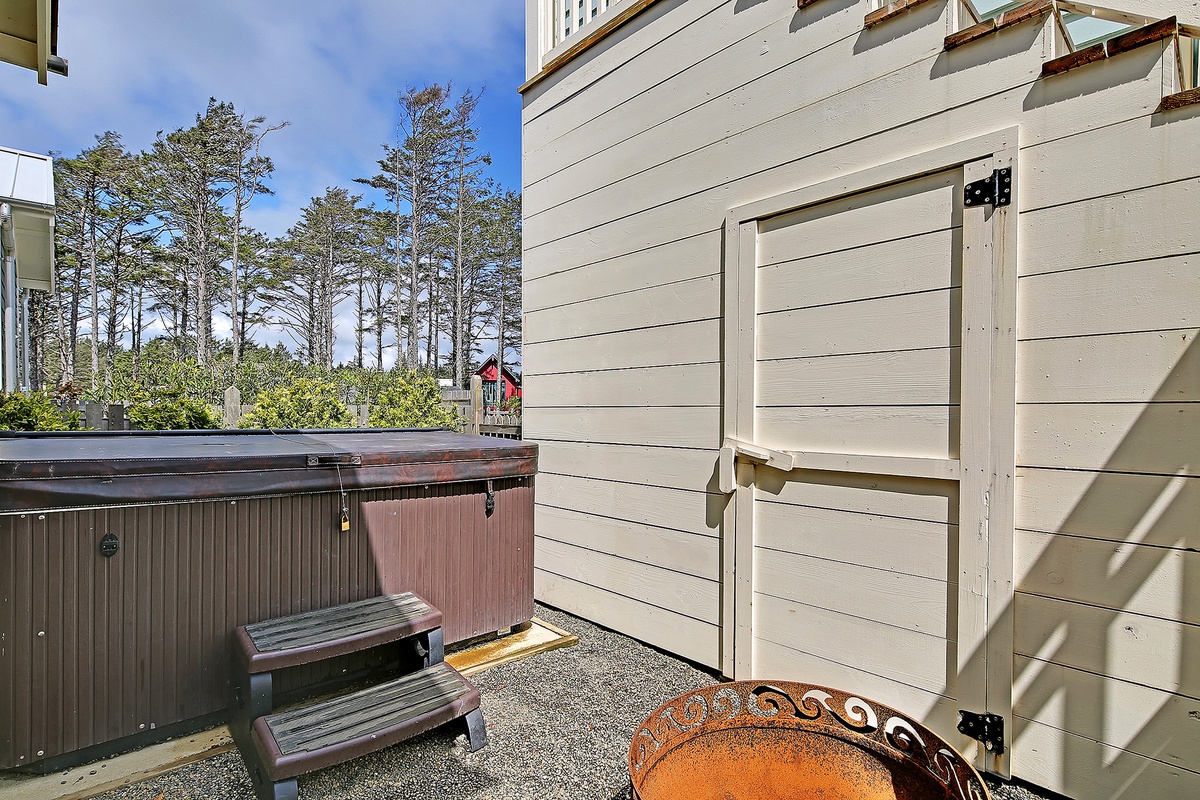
[278,746]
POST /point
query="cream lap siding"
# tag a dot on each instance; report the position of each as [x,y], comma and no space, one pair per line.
[633,155]
[1108,482]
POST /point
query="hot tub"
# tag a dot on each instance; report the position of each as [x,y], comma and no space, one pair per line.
[127,559]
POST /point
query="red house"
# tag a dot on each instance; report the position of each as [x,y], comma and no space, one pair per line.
[512,383]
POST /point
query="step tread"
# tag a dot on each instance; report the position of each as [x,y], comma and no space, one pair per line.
[332,731]
[321,633]
[361,713]
[326,624]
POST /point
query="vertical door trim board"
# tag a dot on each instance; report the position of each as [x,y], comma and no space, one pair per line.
[1002,513]
[975,448]
[988,424]
[737,418]
[992,431]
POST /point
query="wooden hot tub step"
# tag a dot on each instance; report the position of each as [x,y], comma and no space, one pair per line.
[328,732]
[328,632]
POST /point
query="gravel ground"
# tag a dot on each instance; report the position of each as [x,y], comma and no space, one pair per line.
[558,727]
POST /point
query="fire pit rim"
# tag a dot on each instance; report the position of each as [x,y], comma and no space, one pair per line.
[864,723]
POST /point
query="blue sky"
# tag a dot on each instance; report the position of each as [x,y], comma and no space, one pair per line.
[332,69]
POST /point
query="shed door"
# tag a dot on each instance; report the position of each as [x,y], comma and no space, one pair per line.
[862,412]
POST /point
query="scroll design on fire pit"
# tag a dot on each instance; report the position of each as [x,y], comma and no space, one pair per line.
[774,704]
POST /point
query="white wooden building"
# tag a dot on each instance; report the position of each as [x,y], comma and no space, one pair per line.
[806,413]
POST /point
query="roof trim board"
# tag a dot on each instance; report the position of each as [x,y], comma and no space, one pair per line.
[29,36]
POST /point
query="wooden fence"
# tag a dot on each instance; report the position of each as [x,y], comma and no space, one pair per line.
[467,402]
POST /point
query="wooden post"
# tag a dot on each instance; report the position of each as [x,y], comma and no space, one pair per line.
[116,417]
[476,403]
[93,416]
[233,407]
[67,407]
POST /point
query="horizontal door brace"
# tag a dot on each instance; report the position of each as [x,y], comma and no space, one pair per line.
[947,469]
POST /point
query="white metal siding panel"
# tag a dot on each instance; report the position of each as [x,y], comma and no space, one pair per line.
[26,177]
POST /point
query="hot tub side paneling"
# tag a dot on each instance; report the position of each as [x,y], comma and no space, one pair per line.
[96,649]
[427,547]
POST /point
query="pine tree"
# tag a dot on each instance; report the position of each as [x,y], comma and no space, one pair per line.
[318,258]
[466,175]
[377,280]
[195,170]
[246,292]
[79,189]
[251,170]
[413,175]
[505,278]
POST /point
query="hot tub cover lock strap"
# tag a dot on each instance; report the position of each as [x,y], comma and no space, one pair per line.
[109,545]
[489,505]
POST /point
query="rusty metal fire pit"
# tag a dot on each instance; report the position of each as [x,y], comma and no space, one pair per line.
[755,740]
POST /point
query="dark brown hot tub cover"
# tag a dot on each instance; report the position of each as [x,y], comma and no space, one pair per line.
[49,471]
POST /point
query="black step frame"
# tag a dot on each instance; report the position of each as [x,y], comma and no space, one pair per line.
[253,697]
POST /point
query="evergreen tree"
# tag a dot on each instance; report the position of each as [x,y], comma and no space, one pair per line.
[466,174]
[194,171]
[317,260]
[159,239]
[413,176]
[377,281]
[251,170]
[505,278]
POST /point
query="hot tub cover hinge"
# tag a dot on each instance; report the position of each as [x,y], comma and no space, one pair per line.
[335,460]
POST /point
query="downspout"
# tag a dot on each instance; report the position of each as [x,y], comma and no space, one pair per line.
[8,299]
[26,374]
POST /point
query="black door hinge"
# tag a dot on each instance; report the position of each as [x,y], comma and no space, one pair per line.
[996,189]
[986,728]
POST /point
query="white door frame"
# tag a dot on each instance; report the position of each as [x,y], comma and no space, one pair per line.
[986,464]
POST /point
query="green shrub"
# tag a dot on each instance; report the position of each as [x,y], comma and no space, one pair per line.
[171,410]
[305,403]
[34,412]
[412,402]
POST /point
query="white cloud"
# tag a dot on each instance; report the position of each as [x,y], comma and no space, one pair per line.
[331,69]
